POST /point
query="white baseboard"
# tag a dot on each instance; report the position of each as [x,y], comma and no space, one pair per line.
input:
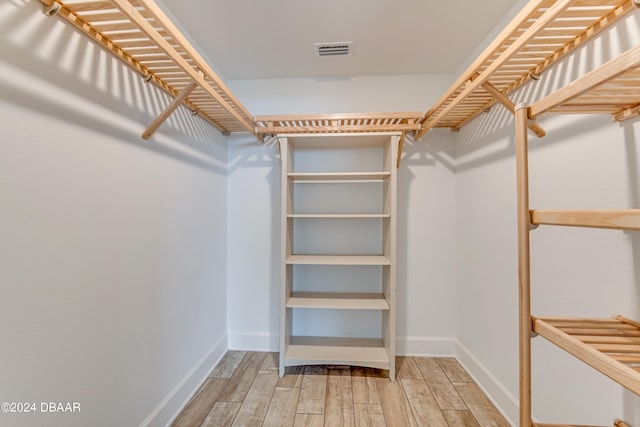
[180,395]
[506,402]
[426,346]
[253,341]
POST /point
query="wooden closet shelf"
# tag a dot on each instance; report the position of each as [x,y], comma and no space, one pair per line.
[612,88]
[338,300]
[368,352]
[338,260]
[612,346]
[338,177]
[337,123]
[338,216]
[544,32]
[623,219]
[140,34]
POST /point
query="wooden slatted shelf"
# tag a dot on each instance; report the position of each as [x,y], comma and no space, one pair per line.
[622,219]
[367,352]
[611,88]
[544,32]
[337,123]
[339,300]
[612,346]
[141,35]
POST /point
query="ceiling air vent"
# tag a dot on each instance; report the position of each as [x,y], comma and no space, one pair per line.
[333,49]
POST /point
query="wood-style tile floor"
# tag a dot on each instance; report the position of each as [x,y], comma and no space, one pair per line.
[245,390]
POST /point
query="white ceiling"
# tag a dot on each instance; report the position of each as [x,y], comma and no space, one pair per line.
[250,39]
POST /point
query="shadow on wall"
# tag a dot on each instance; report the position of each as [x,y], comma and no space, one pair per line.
[631,144]
[50,67]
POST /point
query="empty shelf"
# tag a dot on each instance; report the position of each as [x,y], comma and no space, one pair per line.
[339,216]
[330,300]
[369,352]
[337,177]
[338,260]
[612,346]
[625,219]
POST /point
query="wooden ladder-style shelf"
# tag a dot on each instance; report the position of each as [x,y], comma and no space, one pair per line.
[611,346]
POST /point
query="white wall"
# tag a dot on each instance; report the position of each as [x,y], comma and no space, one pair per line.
[583,162]
[426,294]
[112,249]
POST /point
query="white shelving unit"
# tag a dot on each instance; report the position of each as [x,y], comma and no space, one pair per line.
[339,220]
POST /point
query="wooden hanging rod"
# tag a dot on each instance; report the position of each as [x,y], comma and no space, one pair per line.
[140,34]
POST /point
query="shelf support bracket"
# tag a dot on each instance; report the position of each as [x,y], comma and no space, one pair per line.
[400,144]
[177,101]
[509,105]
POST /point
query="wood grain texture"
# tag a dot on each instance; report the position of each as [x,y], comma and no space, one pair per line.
[423,405]
[309,420]
[255,405]
[369,415]
[198,408]
[339,409]
[455,372]
[315,396]
[480,406]
[240,382]
[313,390]
[394,404]
[407,368]
[222,414]
[228,364]
[282,410]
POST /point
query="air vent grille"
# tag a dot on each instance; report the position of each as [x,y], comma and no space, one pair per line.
[333,49]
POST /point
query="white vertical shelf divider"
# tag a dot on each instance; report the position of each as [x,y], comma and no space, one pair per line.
[376,348]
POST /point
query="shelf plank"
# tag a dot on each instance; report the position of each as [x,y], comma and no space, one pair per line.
[367,352]
[337,177]
[338,300]
[557,331]
[340,216]
[338,260]
[623,219]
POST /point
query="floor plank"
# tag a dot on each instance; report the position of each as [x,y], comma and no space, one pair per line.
[454,370]
[460,418]
[255,405]
[228,364]
[198,407]
[406,367]
[395,407]
[339,404]
[309,420]
[423,405]
[431,370]
[447,396]
[270,363]
[241,380]
[368,415]
[363,385]
[282,410]
[313,391]
[480,406]
[292,377]
[222,414]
